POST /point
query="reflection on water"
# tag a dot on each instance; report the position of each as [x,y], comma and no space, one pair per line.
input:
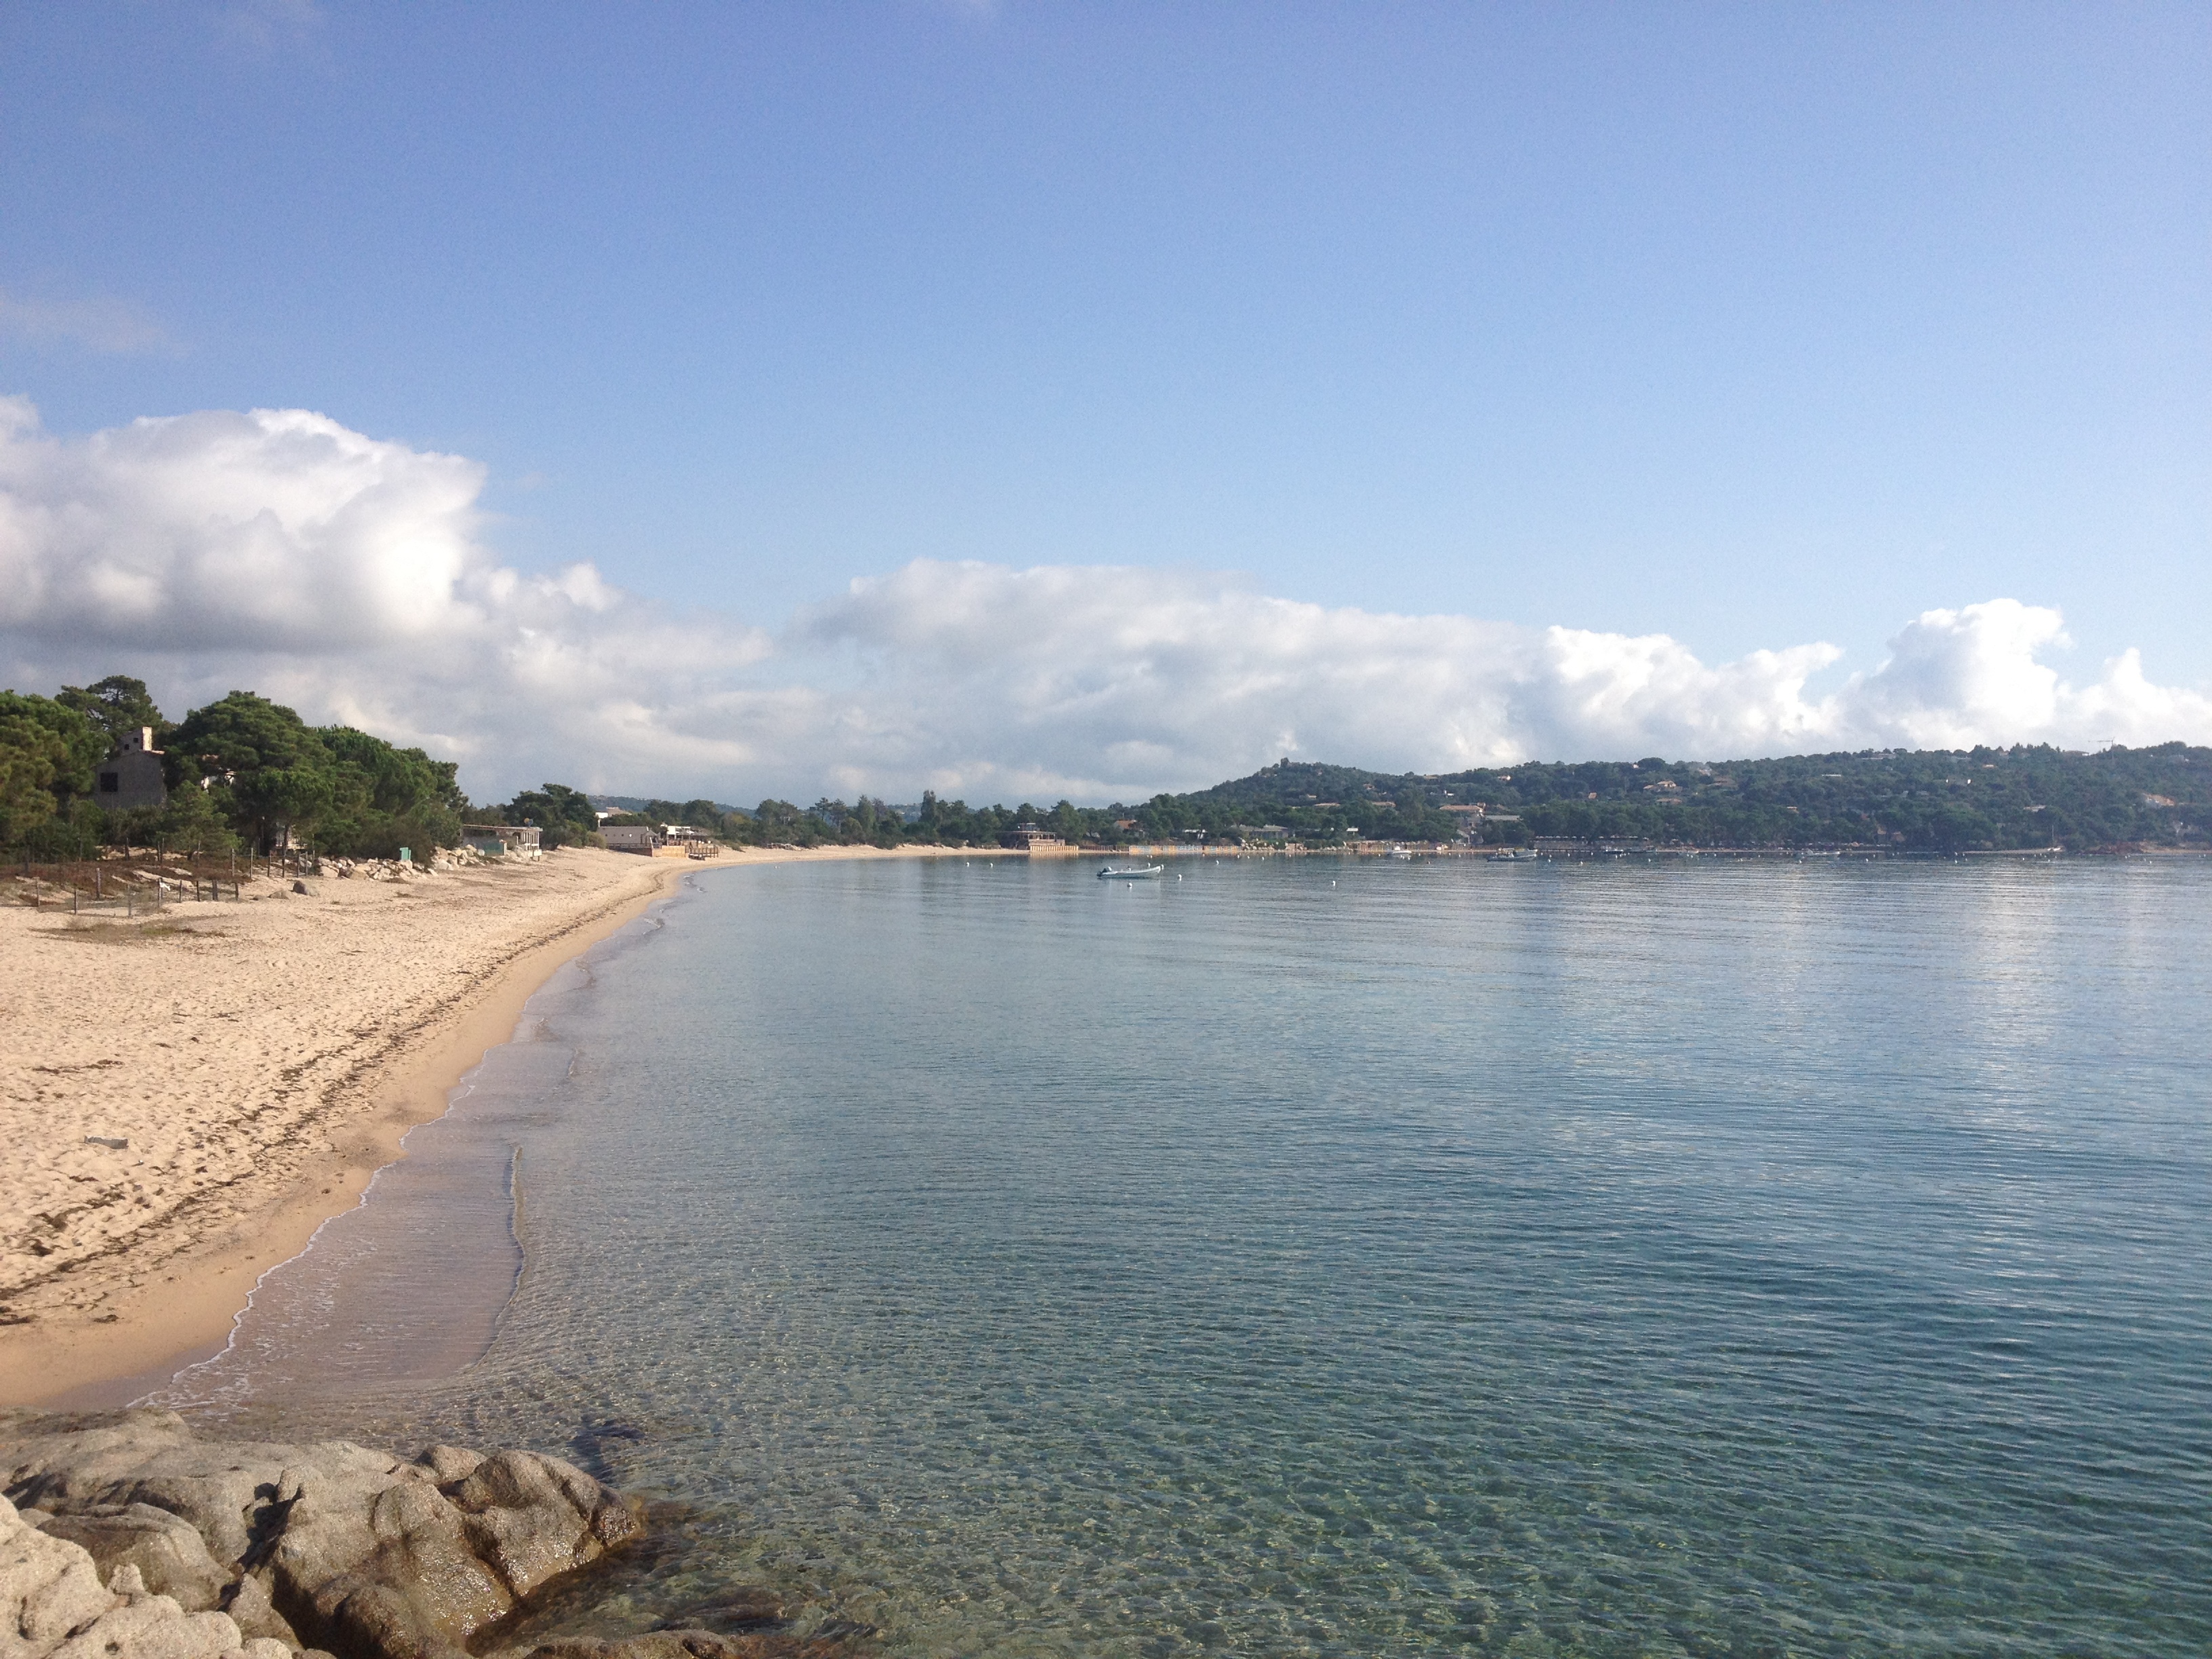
[1459,1259]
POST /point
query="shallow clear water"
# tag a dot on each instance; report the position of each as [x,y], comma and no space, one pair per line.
[1321,1257]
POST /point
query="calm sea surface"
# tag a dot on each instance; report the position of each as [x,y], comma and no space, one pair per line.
[1319,1257]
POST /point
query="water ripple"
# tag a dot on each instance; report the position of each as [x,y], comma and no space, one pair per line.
[1458,1260]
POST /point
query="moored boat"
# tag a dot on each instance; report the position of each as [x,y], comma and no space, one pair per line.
[1130,872]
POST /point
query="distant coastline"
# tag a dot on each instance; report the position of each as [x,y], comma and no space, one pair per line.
[1944,802]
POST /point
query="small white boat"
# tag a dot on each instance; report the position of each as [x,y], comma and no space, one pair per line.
[1130,872]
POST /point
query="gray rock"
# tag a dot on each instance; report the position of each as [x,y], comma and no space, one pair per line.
[367,1556]
[49,1588]
[224,1490]
[52,1605]
[533,1517]
[385,1569]
[448,1463]
[255,1615]
[148,1627]
[167,1550]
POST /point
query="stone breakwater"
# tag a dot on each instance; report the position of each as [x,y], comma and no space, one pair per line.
[123,1536]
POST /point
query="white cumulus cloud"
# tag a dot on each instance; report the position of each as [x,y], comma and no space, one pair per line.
[1090,679]
[279,550]
[276,530]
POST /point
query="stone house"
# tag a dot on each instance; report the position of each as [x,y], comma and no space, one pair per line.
[131,776]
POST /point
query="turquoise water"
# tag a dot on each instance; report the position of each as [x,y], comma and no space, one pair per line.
[1321,1257]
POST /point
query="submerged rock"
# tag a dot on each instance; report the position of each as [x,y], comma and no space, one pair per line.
[215,1549]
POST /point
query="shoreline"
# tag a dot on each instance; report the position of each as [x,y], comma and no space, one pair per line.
[151,1326]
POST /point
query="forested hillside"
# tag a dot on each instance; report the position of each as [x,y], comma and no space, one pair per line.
[1935,800]
[1928,801]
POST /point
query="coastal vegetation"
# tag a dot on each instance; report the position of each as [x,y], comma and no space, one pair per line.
[1924,801]
[244,771]
[241,772]
[563,816]
[1939,801]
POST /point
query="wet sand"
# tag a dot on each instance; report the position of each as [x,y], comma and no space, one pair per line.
[263,1059]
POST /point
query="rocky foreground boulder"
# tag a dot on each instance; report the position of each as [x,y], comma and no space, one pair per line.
[124,1535]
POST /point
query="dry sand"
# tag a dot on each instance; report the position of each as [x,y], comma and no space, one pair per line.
[263,1059]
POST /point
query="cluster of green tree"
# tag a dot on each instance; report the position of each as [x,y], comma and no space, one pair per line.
[331,789]
[240,771]
[868,823]
[875,823]
[715,819]
[48,752]
[955,823]
[1932,801]
[1205,817]
[702,814]
[562,816]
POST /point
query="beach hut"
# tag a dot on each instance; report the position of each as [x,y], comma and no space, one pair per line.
[521,841]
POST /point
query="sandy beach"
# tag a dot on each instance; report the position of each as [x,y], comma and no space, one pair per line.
[262,1059]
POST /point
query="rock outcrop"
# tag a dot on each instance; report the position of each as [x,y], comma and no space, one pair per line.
[171,1557]
[54,1604]
[127,1537]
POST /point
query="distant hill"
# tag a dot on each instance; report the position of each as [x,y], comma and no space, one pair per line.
[1933,799]
[1922,801]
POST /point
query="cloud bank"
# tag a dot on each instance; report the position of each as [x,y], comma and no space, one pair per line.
[279,550]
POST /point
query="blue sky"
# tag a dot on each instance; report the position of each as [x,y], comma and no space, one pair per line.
[1750,325]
